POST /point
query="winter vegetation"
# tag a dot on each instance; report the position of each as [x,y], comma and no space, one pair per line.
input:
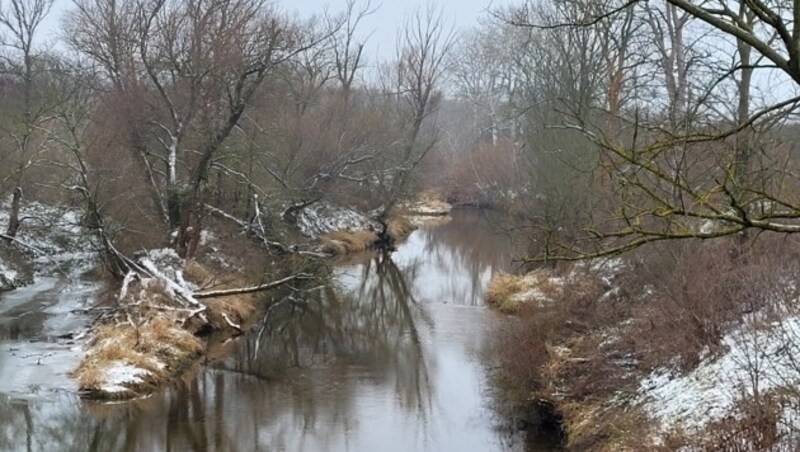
[198,155]
[658,137]
[198,162]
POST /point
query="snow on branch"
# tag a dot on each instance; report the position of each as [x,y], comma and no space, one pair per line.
[253,289]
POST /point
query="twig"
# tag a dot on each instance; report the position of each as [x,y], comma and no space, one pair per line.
[231,324]
[246,290]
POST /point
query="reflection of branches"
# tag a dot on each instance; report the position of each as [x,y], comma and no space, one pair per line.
[373,323]
[389,272]
[298,381]
[453,249]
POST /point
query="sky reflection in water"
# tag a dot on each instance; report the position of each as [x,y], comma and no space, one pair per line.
[384,359]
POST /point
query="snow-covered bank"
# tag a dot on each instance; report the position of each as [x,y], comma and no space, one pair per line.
[9,276]
[508,293]
[427,203]
[430,207]
[340,230]
[50,309]
[152,335]
[758,360]
[323,218]
[543,287]
[662,357]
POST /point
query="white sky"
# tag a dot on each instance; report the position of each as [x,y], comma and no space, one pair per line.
[390,15]
[381,26]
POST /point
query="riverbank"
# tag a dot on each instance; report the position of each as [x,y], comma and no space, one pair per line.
[159,316]
[156,328]
[359,233]
[684,346]
[385,354]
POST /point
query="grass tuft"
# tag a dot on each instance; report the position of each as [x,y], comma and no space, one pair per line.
[347,242]
[399,228]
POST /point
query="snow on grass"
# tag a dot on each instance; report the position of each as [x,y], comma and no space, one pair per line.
[138,357]
[419,221]
[120,376]
[508,292]
[608,269]
[541,289]
[428,207]
[324,218]
[756,360]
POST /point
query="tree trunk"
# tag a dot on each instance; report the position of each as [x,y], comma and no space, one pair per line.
[13,217]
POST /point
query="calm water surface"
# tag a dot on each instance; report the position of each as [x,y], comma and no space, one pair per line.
[384,359]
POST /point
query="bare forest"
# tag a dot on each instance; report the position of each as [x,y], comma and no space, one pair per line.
[612,187]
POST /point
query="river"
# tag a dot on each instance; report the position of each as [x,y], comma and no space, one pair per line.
[385,358]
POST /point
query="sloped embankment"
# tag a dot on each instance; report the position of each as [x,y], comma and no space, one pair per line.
[698,352]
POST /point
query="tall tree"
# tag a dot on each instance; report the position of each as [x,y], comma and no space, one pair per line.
[423,46]
[691,177]
[20,21]
[200,64]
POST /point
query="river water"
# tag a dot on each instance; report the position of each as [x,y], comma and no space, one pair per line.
[386,358]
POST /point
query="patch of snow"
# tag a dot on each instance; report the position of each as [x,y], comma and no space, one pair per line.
[608,269]
[427,208]
[164,261]
[533,283]
[166,256]
[757,360]
[323,218]
[119,376]
[206,237]
[8,277]
[54,239]
[531,295]
[419,221]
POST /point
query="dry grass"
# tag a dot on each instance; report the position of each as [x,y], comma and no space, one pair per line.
[198,274]
[342,243]
[399,228]
[157,336]
[756,426]
[427,203]
[430,196]
[558,351]
[347,242]
[238,308]
[159,346]
[507,293]
[592,345]
[500,290]
[608,428]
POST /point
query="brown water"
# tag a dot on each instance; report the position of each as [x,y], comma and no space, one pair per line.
[384,359]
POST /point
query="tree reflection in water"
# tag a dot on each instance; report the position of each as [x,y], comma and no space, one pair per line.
[353,364]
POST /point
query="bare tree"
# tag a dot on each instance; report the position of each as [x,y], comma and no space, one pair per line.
[668,26]
[20,20]
[481,70]
[199,63]
[348,51]
[106,31]
[423,46]
[694,179]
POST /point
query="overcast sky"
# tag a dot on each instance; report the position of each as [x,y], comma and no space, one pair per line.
[382,24]
[390,15]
